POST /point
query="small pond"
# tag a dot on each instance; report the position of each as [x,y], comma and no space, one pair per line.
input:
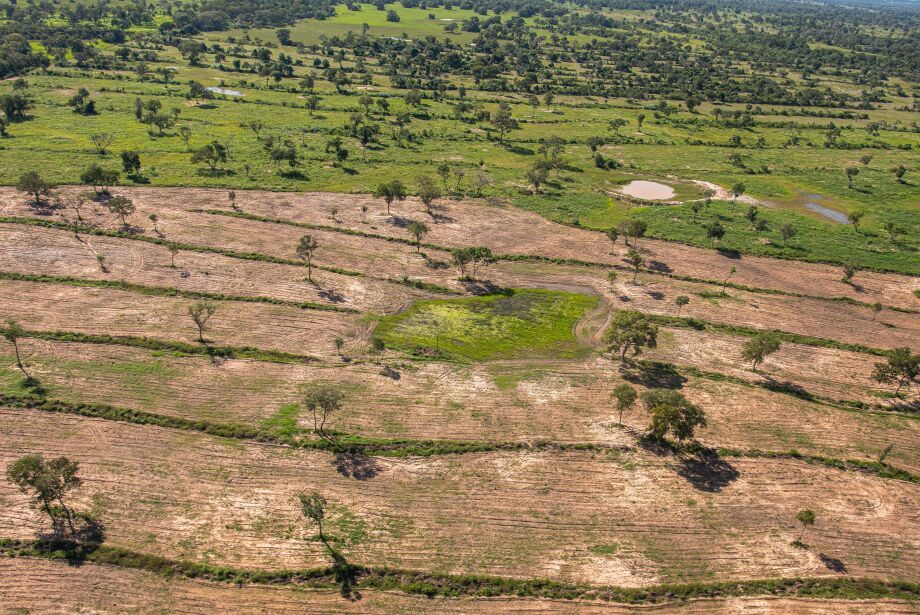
[831,214]
[224,91]
[650,191]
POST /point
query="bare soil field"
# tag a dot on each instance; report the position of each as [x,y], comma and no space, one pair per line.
[508,230]
[625,513]
[47,586]
[40,251]
[207,499]
[837,374]
[116,312]
[523,402]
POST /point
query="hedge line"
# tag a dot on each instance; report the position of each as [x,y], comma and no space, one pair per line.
[456,586]
[346,443]
[165,291]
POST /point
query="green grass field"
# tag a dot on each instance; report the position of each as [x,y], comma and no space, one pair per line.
[522,323]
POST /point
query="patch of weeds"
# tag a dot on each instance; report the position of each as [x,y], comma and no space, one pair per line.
[517,322]
[284,421]
[608,549]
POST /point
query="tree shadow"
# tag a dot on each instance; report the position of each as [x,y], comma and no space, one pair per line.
[707,471]
[435,264]
[346,575]
[480,287]
[656,295]
[832,563]
[659,266]
[332,295]
[44,207]
[788,387]
[652,374]
[390,373]
[399,221]
[356,464]
[729,253]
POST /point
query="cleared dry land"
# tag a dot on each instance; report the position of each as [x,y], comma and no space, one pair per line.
[484,446]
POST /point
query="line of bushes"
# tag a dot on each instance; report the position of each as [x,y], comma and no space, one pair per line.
[188,247]
[227,352]
[549,259]
[741,330]
[470,585]
[337,443]
[163,291]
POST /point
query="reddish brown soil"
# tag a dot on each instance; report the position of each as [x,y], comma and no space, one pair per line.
[511,230]
[199,497]
[559,401]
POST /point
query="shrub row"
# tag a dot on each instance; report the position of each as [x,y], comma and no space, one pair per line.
[470,585]
[793,338]
[229,352]
[345,443]
[163,291]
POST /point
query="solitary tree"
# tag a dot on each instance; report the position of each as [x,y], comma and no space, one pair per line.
[131,163]
[630,329]
[787,231]
[418,230]
[851,172]
[11,333]
[504,121]
[626,397]
[612,278]
[681,301]
[323,401]
[48,482]
[390,191]
[32,183]
[901,367]
[806,518]
[616,123]
[122,207]
[876,308]
[634,258]
[760,347]
[673,413]
[313,507]
[731,272]
[101,141]
[427,192]
[849,270]
[736,192]
[201,313]
[305,250]
[715,231]
[899,172]
[855,217]
[173,250]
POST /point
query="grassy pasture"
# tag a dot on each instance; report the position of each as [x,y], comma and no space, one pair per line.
[519,323]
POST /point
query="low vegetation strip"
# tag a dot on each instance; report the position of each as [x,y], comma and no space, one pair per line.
[350,444]
[164,291]
[189,247]
[228,352]
[741,330]
[456,586]
[782,388]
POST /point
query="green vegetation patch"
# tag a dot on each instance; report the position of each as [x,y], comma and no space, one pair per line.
[516,323]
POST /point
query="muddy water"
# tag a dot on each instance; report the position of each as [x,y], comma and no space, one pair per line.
[650,191]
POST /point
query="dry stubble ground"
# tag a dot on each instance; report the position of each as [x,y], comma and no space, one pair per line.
[520,514]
